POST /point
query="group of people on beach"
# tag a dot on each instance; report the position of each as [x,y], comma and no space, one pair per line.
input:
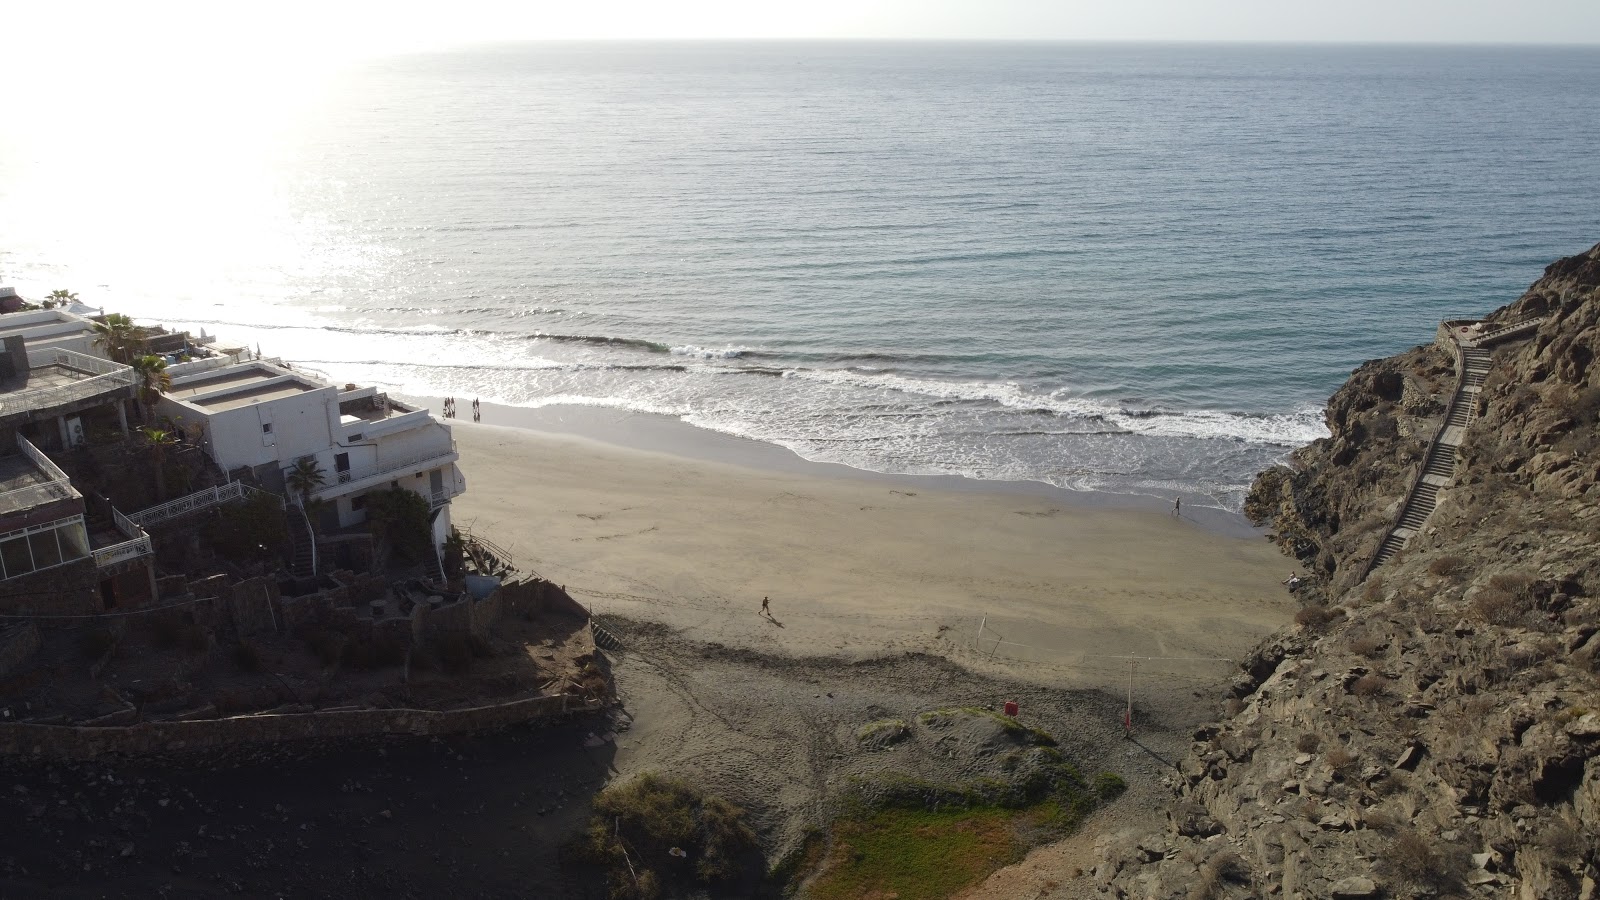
[450,409]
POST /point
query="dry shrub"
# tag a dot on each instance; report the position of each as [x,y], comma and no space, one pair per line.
[1314,616]
[247,656]
[1391,784]
[1413,860]
[96,642]
[1224,867]
[1563,840]
[1340,760]
[1369,685]
[1498,607]
[1372,592]
[1368,645]
[1448,566]
[327,645]
[1233,707]
[1381,818]
[636,823]
[1308,742]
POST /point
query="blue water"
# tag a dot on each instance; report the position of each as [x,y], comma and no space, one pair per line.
[1119,267]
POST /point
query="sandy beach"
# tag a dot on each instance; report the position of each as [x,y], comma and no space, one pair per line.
[864,565]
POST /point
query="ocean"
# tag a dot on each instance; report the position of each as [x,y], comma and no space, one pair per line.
[1127,268]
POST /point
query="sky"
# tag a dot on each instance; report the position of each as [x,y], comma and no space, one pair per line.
[306,33]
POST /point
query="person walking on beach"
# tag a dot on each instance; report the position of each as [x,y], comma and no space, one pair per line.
[1177,507]
[477,413]
[766,607]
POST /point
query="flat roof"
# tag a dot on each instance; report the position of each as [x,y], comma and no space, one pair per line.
[247,396]
[221,379]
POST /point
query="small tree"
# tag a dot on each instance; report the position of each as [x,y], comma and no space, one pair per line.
[305,476]
[60,298]
[399,519]
[159,441]
[154,381]
[117,335]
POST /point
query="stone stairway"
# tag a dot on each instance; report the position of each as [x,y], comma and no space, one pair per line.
[303,556]
[1439,465]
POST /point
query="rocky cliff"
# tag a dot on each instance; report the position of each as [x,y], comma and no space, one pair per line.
[1431,728]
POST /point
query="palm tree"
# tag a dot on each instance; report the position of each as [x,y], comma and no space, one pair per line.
[60,298]
[116,334]
[159,441]
[305,477]
[154,380]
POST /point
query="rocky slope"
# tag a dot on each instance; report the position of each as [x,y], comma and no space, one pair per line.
[1434,728]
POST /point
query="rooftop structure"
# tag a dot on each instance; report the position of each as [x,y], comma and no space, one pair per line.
[51,328]
[51,560]
[48,383]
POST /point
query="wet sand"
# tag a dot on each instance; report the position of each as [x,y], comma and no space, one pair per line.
[861,565]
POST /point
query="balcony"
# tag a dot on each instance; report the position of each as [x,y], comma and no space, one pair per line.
[30,480]
[366,477]
[137,544]
[61,377]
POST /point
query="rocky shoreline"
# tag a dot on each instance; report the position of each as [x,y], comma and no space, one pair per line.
[1430,729]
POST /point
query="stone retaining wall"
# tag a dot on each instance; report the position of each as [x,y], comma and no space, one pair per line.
[17,645]
[85,742]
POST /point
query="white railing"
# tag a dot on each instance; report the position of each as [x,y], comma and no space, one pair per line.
[56,487]
[119,553]
[104,376]
[222,493]
[311,535]
[427,460]
[137,545]
[44,463]
[83,362]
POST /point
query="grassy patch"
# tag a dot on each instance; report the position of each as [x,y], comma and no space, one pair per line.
[916,854]
[881,734]
[911,838]
[940,718]
[637,825]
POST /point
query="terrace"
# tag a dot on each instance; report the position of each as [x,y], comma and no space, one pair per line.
[28,479]
[60,378]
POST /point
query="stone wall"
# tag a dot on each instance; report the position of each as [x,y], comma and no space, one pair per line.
[17,645]
[69,590]
[85,742]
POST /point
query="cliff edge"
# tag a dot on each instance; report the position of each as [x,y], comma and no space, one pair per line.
[1430,728]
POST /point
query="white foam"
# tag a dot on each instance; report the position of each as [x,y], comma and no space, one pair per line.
[708,352]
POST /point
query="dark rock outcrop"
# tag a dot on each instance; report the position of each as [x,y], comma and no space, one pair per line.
[1433,729]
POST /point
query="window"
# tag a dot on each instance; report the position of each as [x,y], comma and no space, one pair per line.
[266,427]
[15,558]
[356,437]
[43,547]
[358,503]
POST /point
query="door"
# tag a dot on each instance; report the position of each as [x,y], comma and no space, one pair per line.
[436,484]
[341,465]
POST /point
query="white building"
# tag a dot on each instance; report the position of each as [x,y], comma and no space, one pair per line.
[264,417]
[53,329]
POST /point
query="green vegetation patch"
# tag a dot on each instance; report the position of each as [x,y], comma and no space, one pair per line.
[942,718]
[917,839]
[882,734]
[638,825]
[916,854]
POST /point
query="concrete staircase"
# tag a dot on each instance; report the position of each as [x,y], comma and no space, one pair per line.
[302,541]
[1439,465]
